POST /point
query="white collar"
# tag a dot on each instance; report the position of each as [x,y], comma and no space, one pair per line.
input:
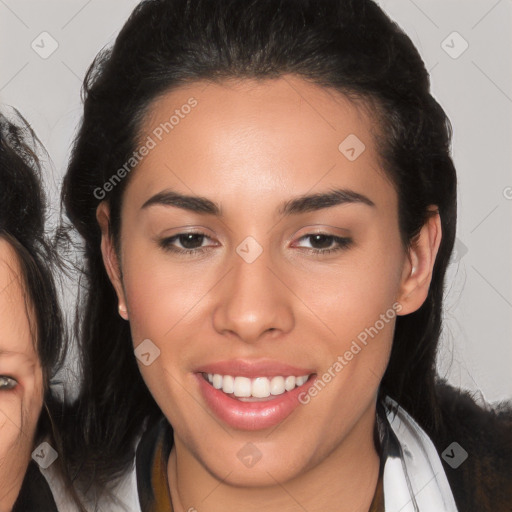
[414,479]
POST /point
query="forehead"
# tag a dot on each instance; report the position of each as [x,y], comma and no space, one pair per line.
[15,330]
[251,139]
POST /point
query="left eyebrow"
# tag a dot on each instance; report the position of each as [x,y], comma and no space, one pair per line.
[295,206]
[314,202]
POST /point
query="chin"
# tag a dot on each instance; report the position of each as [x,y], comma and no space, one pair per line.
[250,465]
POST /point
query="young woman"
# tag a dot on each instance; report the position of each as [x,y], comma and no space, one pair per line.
[268,204]
[31,342]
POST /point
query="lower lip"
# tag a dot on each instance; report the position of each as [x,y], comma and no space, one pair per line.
[251,415]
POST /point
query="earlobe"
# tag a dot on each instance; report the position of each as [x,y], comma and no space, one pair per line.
[417,271]
[110,259]
[123,313]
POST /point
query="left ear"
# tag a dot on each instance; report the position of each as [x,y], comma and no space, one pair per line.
[417,272]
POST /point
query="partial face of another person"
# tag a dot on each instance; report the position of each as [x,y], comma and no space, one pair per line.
[256,287]
[21,378]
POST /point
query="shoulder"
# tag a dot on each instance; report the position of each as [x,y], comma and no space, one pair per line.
[482,479]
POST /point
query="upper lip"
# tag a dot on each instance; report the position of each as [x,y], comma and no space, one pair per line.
[253,368]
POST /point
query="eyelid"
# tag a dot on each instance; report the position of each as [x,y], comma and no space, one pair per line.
[184,230]
[322,229]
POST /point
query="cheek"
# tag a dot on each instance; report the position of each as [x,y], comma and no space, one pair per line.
[19,413]
[161,297]
[14,447]
[10,422]
[351,295]
[158,294]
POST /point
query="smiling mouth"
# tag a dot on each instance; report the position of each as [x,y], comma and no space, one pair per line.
[257,389]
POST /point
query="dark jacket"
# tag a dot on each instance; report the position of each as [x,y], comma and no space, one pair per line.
[483,482]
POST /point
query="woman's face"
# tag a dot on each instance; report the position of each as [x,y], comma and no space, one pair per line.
[21,378]
[251,301]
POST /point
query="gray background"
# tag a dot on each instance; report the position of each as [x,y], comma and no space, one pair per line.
[473,86]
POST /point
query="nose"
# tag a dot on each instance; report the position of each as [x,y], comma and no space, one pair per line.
[253,302]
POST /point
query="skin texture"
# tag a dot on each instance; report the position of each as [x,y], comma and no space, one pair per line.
[20,405]
[249,146]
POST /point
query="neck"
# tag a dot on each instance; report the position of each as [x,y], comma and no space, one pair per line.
[344,481]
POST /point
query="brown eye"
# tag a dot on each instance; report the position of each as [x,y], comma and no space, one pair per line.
[326,241]
[191,243]
[7,383]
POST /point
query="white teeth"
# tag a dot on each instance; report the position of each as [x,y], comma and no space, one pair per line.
[289,383]
[277,386]
[228,384]
[217,381]
[242,387]
[300,380]
[259,387]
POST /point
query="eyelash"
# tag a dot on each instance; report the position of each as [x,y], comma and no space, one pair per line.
[166,244]
[7,383]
